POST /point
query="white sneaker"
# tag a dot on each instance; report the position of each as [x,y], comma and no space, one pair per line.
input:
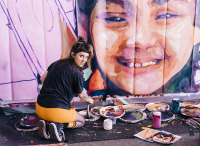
[42,132]
[54,135]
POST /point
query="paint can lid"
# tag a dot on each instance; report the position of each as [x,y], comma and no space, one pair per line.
[175,99]
[157,113]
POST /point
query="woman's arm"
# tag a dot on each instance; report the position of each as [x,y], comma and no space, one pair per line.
[43,77]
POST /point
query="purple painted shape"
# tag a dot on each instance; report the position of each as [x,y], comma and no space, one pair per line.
[28,51]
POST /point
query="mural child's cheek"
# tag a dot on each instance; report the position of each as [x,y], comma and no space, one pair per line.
[111,43]
[99,38]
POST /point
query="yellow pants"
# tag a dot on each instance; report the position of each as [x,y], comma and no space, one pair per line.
[58,115]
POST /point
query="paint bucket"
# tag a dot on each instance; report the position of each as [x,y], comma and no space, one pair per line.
[107,124]
[175,105]
[156,119]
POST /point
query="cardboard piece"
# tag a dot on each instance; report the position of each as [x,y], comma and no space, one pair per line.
[148,133]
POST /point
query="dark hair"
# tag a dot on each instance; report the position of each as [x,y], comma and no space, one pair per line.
[79,46]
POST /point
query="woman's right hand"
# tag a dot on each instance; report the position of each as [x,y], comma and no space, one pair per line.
[90,102]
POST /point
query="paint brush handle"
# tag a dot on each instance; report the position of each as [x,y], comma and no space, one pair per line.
[88,111]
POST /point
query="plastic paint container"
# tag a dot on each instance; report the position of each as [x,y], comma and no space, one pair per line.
[156,119]
[107,124]
[175,105]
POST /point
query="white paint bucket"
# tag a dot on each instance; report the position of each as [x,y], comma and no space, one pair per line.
[107,124]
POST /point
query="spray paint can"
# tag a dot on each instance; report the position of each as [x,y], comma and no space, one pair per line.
[156,119]
[175,105]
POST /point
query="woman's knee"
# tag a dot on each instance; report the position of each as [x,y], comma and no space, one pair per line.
[80,118]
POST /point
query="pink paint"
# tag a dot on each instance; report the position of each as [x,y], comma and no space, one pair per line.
[156,120]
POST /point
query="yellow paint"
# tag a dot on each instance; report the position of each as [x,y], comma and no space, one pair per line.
[153,108]
[127,129]
[144,127]
[149,126]
[163,125]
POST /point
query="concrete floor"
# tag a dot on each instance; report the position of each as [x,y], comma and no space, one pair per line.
[186,140]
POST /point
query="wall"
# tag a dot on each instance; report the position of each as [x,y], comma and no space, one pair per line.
[141,47]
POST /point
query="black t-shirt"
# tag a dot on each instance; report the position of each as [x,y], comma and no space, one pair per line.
[62,83]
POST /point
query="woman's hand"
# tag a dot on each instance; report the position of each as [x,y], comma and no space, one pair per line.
[84,97]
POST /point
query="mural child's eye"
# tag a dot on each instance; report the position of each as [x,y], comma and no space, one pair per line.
[166,16]
[115,19]
[115,22]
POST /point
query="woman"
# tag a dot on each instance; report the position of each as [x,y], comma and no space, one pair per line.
[62,82]
[146,46]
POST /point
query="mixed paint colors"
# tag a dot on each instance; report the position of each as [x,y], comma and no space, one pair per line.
[157,107]
[139,107]
[96,110]
[92,116]
[191,112]
[29,123]
[133,116]
[112,111]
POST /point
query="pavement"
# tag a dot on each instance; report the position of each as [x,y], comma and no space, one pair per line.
[186,140]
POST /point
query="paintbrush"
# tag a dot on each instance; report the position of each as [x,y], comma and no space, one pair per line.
[88,112]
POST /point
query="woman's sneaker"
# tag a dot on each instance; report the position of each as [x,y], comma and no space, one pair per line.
[56,132]
[42,131]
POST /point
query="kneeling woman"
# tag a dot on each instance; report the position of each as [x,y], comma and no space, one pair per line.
[62,81]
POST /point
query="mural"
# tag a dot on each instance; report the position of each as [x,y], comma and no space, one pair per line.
[142,47]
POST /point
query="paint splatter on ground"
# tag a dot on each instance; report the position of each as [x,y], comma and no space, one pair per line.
[163,125]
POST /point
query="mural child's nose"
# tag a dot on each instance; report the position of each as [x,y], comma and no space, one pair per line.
[143,34]
[142,39]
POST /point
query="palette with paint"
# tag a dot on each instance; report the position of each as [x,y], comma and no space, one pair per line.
[157,106]
[18,127]
[133,116]
[29,121]
[139,107]
[96,110]
[189,104]
[92,116]
[191,112]
[112,111]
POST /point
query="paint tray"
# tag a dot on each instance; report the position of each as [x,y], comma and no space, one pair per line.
[29,121]
[92,116]
[139,107]
[112,112]
[133,116]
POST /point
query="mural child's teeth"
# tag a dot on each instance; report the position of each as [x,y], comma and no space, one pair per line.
[145,64]
[137,65]
[130,64]
[151,62]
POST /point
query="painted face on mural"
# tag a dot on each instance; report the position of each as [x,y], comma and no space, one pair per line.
[140,44]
